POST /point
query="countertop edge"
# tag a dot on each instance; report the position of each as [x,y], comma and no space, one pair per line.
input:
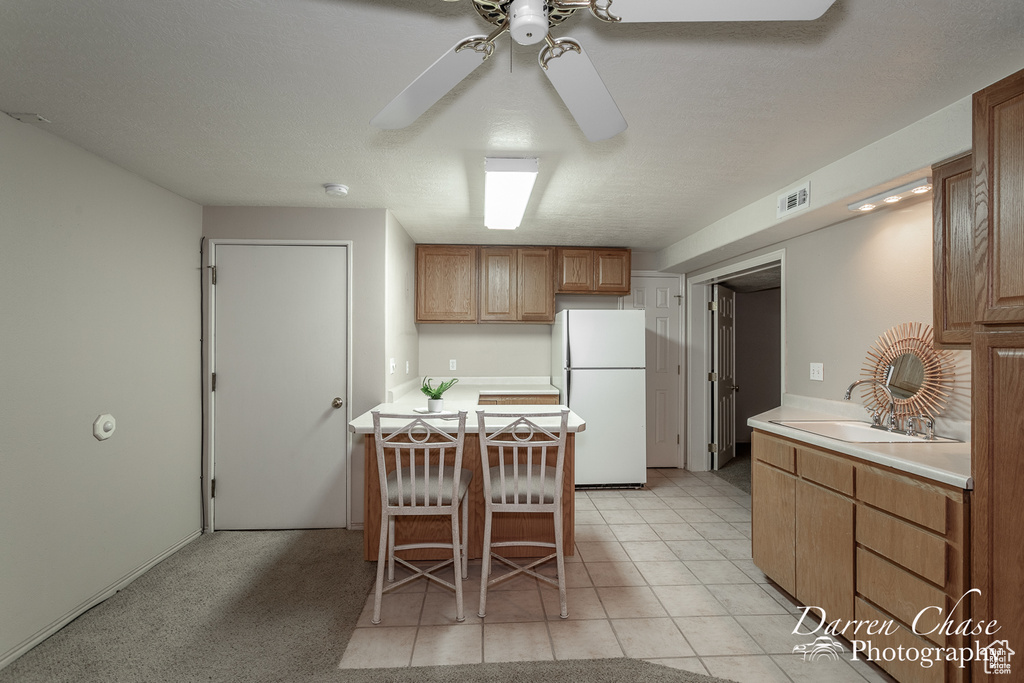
[958,453]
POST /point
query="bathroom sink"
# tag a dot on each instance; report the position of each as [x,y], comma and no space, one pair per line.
[853,431]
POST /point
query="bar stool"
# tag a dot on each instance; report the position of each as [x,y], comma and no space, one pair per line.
[420,470]
[522,464]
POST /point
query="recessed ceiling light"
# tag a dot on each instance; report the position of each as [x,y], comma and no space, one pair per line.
[892,196]
[336,190]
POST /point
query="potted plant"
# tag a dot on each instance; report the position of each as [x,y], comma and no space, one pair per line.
[435,403]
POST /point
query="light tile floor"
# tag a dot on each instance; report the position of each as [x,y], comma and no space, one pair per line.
[663,574]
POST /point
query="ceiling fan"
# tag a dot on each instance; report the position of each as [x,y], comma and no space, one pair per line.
[564,60]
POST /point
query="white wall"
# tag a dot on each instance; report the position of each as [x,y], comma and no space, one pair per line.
[496,350]
[402,337]
[376,239]
[99,297]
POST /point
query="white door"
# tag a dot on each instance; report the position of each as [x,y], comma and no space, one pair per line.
[280,440]
[659,298]
[723,388]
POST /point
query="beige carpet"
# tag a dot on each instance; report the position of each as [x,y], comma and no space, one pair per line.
[262,606]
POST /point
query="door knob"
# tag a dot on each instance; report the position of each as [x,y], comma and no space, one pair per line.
[337,402]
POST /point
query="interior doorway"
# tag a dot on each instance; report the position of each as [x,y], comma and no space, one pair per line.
[759,338]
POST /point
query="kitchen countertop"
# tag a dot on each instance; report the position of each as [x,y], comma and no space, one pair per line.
[466,396]
[948,463]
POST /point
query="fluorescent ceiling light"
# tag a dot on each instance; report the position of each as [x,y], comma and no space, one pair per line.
[507,187]
[892,196]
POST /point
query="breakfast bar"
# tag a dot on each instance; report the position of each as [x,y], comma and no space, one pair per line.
[506,526]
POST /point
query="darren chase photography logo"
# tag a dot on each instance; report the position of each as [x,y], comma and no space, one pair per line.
[996,656]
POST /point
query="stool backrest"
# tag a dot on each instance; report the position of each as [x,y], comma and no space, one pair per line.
[413,457]
[528,452]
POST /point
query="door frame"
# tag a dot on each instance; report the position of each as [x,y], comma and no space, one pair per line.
[680,449]
[209,315]
[698,351]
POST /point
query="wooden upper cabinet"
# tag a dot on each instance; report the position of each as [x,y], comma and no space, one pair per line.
[953,248]
[593,271]
[446,283]
[575,271]
[498,284]
[517,284]
[611,271]
[998,207]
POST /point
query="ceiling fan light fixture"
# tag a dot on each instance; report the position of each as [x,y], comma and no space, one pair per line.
[892,196]
[508,184]
[527,21]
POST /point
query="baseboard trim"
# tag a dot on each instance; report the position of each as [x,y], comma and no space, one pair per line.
[47,631]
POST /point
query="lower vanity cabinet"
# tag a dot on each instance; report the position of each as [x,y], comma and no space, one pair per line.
[866,543]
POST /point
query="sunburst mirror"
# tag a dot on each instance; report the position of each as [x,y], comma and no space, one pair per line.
[919,376]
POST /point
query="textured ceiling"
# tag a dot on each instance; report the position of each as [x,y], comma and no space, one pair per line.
[261,102]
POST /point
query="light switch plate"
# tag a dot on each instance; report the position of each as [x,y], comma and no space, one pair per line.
[451,364]
[392,366]
[818,372]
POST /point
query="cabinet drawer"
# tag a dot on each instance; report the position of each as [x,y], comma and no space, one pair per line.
[903,670]
[773,451]
[827,470]
[904,544]
[907,498]
[900,593]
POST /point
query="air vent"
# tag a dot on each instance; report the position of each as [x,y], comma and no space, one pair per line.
[795,200]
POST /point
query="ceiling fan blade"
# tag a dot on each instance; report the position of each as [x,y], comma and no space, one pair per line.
[701,10]
[434,83]
[577,82]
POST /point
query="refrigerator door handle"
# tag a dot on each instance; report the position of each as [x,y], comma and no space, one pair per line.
[568,387]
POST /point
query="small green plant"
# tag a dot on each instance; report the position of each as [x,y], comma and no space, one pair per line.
[435,393]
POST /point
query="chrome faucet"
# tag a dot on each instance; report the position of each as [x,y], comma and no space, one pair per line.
[926,426]
[876,416]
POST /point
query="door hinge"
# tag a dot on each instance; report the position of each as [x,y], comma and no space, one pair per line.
[712,448]
[213,488]
[677,439]
[712,305]
[213,381]
[712,376]
[213,274]
[679,369]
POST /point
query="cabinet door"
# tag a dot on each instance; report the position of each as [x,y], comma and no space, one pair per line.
[536,291]
[611,271]
[575,271]
[446,283]
[953,249]
[498,284]
[997,535]
[999,199]
[773,515]
[824,550]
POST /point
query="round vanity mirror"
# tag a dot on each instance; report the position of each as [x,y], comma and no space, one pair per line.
[918,375]
[906,376]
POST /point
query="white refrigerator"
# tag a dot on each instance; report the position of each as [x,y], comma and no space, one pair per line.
[597,364]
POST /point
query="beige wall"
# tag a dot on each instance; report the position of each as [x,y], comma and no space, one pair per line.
[402,341]
[99,297]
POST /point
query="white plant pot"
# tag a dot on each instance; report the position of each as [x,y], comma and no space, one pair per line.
[435,405]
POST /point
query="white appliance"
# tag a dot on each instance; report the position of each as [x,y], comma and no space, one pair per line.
[597,364]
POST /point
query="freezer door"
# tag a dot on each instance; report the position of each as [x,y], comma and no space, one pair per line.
[606,339]
[613,447]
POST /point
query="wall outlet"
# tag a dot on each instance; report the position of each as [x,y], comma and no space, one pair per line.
[818,372]
[451,364]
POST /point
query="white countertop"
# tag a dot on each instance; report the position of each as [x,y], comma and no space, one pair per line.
[949,463]
[465,395]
